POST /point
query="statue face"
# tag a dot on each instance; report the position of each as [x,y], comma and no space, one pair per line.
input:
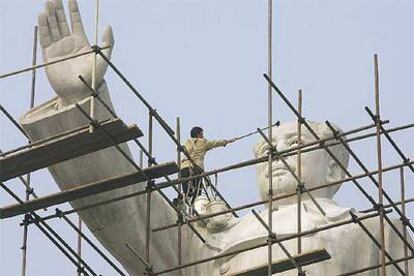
[317,167]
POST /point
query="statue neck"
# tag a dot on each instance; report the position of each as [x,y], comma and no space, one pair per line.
[294,199]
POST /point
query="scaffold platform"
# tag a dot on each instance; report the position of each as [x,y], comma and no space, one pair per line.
[59,148]
[90,189]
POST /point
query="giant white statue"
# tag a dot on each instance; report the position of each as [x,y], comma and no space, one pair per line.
[124,221]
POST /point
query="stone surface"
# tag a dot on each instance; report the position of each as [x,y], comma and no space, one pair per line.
[117,223]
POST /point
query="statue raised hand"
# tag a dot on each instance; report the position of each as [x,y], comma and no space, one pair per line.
[58,41]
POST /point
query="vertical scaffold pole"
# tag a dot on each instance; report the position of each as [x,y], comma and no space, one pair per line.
[149,189]
[299,187]
[79,248]
[28,189]
[92,107]
[379,157]
[269,114]
[141,158]
[93,84]
[402,183]
[33,87]
[180,200]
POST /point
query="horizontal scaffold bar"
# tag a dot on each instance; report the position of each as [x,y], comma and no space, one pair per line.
[34,67]
[274,240]
[303,259]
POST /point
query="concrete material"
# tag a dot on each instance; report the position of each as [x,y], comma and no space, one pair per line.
[124,222]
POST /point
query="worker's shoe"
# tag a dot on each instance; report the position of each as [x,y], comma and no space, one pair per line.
[180,205]
[176,202]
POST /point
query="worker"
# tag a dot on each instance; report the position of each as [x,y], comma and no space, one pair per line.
[197,147]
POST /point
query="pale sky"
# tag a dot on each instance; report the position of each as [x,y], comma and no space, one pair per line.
[203,61]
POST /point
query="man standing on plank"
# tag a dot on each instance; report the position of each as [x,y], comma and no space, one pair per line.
[197,147]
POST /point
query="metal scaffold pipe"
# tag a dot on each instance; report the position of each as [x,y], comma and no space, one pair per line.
[379,160]
[159,119]
[300,186]
[286,238]
[269,125]
[151,159]
[250,205]
[95,39]
[58,241]
[28,69]
[403,203]
[343,168]
[185,223]
[29,190]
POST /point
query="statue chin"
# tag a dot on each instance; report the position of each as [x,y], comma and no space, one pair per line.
[282,185]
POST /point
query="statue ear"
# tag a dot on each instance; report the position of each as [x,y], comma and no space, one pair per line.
[334,173]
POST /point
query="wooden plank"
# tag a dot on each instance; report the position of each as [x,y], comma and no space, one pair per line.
[90,189]
[303,259]
[62,148]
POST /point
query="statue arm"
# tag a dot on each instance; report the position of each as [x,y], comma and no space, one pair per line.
[116,223]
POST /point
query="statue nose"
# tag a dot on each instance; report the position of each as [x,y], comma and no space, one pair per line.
[278,163]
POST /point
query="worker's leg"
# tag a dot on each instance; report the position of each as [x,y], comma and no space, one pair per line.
[197,183]
[184,174]
[192,187]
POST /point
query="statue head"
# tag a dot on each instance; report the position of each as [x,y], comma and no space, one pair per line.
[318,167]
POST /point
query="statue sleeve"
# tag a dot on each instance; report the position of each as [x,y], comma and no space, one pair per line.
[395,247]
[116,223]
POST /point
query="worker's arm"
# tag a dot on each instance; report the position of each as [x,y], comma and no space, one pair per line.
[216,143]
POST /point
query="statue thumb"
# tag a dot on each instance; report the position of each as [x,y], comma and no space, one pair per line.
[108,40]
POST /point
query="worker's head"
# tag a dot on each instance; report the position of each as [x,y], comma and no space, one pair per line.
[197,132]
[318,167]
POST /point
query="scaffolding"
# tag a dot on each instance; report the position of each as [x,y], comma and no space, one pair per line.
[97,135]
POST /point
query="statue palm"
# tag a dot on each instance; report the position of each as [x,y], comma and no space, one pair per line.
[58,41]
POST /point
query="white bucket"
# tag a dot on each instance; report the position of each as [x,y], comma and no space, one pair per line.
[217,222]
[200,204]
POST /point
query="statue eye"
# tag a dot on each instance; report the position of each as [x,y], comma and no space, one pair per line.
[263,150]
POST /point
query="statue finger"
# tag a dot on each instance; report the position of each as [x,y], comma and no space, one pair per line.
[51,19]
[108,37]
[75,18]
[44,34]
[61,18]
[107,40]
